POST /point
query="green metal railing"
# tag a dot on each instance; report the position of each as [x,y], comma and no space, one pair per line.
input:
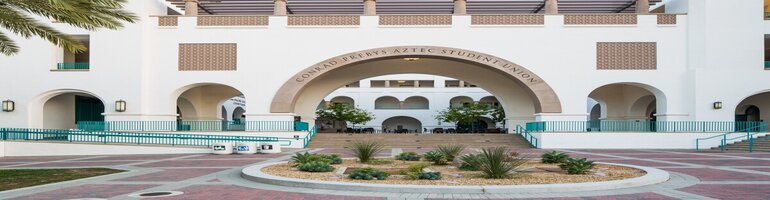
[747,133]
[767,64]
[305,140]
[73,65]
[301,126]
[640,126]
[528,136]
[138,138]
[214,125]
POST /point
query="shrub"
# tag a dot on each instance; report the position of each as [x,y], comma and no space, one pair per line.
[451,151]
[369,174]
[365,150]
[495,163]
[471,162]
[380,162]
[315,166]
[417,171]
[301,158]
[554,157]
[408,156]
[436,157]
[430,175]
[333,159]
[577,165]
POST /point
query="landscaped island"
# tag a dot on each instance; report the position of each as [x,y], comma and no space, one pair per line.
[445,166]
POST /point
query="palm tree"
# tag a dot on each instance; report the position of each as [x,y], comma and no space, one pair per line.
[18,17]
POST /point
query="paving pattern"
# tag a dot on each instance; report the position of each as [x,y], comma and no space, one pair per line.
[695,175]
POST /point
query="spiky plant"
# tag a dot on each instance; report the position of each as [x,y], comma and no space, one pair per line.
[577,165]
[451,151]
[365,150]
[554,157]
[19,17]
[496,164]
[436,157]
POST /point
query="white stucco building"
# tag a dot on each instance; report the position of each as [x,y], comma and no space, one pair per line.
[674,61]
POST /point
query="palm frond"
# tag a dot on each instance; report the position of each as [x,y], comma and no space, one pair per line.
[7,46]
[26,26]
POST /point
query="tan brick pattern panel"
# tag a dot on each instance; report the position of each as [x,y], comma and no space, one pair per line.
[233,20]
[507,20]
[325,20]
[208,57]
[626,56]
[415,20]
[600,19]
[168,21]
[667,19]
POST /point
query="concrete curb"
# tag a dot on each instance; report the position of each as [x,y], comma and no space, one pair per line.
[653,176]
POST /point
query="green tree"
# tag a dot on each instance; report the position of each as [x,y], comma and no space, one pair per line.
[18,17]
[498,114]
[465,115]
[346,113]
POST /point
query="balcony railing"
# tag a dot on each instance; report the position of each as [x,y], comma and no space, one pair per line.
[641,126]
[213,125]
[73,66]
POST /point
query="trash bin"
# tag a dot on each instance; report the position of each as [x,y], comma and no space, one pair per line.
[270,147]
[246,148]
[223,148]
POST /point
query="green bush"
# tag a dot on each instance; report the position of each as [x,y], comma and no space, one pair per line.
[369,174]
[554,157]
[316,166]
[302,158]
[496,164]
[333,159]
[577,165]
[408,156]
[451,151]
[380,162]
[430,175]
[365,150]
[436,157]
[471,162]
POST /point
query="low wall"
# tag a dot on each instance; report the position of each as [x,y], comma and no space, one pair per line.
[68,149]
[286,138]
[609,140]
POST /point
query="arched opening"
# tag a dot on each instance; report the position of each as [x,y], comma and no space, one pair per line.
[417,103]
[66,109]
[402,124]
[344,100]
[491,101]
[750,109]
[203,107]
[387,102]
[514,86]
[460,101]
[626,101]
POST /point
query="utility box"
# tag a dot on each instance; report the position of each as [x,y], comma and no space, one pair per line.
[223,148]
[247,148]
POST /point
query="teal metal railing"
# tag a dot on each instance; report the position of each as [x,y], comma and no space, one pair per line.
[527,136]
[73,65]
[138,138]
[301,126]
[747,133]
[767,64]
[640,126]
[214,125]
[305,140]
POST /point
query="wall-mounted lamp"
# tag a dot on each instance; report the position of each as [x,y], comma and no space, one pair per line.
[9,106]
[410,59]
[120,106]
[718,105]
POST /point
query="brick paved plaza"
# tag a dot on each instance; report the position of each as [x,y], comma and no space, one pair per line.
[694,175]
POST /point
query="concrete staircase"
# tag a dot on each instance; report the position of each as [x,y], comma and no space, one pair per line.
[761,144]
[334,140]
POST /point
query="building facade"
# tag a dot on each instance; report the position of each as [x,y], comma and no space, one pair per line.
[689,60]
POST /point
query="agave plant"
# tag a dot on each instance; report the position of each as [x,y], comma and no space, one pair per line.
[436,157]
[301,158]
[496,163]
[553,157]
[577,165]
[365,150]
[451,151]
[470,162]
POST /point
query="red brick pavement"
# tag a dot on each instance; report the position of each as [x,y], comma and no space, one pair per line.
[728,162]
[742,192]
[238,192]
[176,174]
[200,163]
[639,196]
[87,191]
[706,174]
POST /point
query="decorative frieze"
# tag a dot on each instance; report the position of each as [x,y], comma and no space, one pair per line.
[233,21]
[208,57]
[408,20]
[507,19]
[168,21]
[325,20]
[666,19]
[626,56]
[600,19]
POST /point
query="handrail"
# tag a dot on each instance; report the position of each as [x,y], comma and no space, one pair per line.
[639,126]
[527,136]
[202,125]
[723,142]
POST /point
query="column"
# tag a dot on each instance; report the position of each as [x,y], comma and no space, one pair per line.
[191,7]
[460,7]
[280,7]
[370,7]
[551,7]
[387,83]
[416,83]
[642,6]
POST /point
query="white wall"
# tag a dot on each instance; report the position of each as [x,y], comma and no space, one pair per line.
[608,140]
[68,149]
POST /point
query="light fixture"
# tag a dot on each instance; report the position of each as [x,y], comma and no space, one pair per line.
[9,106]
[401,81]
[718,105]
[120,105]
[411,59]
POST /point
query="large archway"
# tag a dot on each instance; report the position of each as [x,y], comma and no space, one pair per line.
[518,89]
[753,112]
[402,124]
[65,109]
[625,101]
